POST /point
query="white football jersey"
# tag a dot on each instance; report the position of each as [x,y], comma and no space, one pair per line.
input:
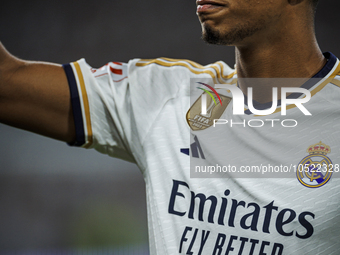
[218,183]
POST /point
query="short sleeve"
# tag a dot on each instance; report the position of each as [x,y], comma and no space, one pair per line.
[117,107]
[100,102]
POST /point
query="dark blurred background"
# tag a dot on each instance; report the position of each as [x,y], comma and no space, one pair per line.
[54,198]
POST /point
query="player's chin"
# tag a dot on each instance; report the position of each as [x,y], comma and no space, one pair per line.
[216,23]
[213,34]
[210,24]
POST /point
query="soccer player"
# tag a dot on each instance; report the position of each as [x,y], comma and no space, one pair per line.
[141,111]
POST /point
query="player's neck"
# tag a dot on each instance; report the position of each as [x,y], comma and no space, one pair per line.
[286,57]
[281,58]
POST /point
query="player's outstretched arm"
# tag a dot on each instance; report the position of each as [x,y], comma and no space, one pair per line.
[35,96]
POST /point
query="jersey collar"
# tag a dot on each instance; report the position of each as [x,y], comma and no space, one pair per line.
[317,80]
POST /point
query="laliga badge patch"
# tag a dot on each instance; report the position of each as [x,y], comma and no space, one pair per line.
[215,106]
[316,169]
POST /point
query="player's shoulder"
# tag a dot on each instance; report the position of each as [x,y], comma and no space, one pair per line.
[336,81]
[329,89]
[325,85]
[219,71]
[334,84]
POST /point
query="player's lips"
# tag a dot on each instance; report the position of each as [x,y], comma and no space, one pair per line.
[207,6]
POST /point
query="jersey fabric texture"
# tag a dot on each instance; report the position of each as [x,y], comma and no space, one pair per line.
[138,112]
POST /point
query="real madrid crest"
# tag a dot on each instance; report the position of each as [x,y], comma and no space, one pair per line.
[216,105]
[316,169]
